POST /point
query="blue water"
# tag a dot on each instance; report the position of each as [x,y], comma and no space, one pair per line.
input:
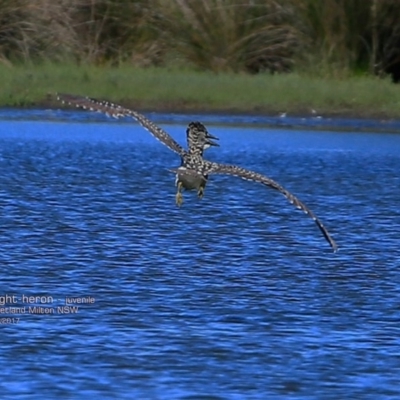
[236,296]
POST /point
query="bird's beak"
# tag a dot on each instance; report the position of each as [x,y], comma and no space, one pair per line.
[211,142]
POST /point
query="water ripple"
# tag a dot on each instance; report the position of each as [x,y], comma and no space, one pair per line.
[235,296]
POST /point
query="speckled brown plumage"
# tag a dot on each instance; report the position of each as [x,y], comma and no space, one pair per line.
[194,170]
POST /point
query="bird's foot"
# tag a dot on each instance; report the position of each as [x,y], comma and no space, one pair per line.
[179,199]
[200,193]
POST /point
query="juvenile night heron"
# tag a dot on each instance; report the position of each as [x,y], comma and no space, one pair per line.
[194,170]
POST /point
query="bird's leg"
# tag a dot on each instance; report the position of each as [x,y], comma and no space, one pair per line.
[178,196]
[200,193]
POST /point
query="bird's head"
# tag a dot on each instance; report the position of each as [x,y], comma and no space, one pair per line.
[198,137]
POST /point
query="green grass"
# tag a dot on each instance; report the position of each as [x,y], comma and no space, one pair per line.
[179,90]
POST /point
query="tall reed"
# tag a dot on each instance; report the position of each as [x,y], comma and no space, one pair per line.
[232,35]
[329,37]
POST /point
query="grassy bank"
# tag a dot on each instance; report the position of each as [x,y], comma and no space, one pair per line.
[183,91]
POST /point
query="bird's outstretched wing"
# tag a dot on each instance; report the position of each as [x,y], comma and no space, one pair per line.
[216,168]
[117,111]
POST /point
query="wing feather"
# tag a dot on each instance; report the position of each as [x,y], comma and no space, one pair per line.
[216,168]
[117,111]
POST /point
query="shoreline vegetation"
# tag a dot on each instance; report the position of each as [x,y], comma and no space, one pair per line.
[183,91]
[265,57]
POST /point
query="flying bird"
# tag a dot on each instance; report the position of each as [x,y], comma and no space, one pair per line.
[194,170]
